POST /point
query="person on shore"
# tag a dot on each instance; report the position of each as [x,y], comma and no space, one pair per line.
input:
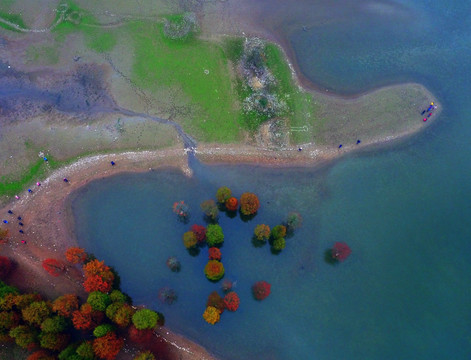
[19,218]
[10,212]
[5,221]
[66,180]
[45,159]
[38,183]
[21,231]
[112,163]
[30,191]
[358,141]
[340,146]
[20,223]
[23,241]
[17,197]
[425,119]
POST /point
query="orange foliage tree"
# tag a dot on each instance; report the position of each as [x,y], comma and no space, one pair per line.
[53,266]
[75,255]
[65,305]
[214,253]
[86,318]
[232,204]
[249,203]
[107,347]
[262,232]
[36,312]
[214,270]
[215,300]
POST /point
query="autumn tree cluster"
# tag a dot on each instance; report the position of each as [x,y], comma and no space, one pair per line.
[67,329]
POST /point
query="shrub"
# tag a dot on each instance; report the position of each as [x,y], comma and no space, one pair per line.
[55,324]
[189,239]
[108,346]
[214,270]
[262,232]
[223,194]
[6,266]
[173,264]
[210,209]
[146,355]
[53,267]
[211,315]
[214,235]
[65,305]
[145,319]
[102,330]
[279,244]
[215,300]
[182,210]
[36,312]
[214,253]
[293,221]
[249,204]
[98,300]
[232,204]
[200,233]
[340,251]
[167,295]
[278,231]
[232,301]
[76,255]
[261,290]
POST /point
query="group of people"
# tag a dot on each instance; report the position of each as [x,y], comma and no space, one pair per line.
[429,110]
[20,224]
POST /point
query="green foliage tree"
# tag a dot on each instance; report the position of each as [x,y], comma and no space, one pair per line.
[145,319]
[98,300]
[85,350]
[278,231]
[68,352]
[54,341]
[8,320]
[55,324]
[118,296]
[102,330]
[5,290]
[24,335]
[223,194]
[189,239]
[279,244]
[214,235]
[112,309]
[36,312]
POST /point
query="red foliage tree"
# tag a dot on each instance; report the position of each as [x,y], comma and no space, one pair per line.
[65,305]
[86,318]
[53,266]
[108,346]
[261,290]
[340,251]
[215,300]
[6,266]
[140,336]
[232,204]
[200,232]
[232,301]
[249,203]
[214,253]
[75,255]
[96,283]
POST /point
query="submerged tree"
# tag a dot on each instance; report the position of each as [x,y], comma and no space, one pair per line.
[232,204]
[210,209]
[211,315]
[214,270]
[261,290]
[173,264]
[249,204]
[262,232]
[340,251]
[223,194]
[189,239]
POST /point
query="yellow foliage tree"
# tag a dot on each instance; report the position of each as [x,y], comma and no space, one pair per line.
[211,315]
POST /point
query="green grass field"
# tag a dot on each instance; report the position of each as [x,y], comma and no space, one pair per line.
[13,18]
[199,69]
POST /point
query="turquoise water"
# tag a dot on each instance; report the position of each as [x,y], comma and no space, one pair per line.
[405,291]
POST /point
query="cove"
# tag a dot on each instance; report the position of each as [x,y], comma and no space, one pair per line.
[388,300]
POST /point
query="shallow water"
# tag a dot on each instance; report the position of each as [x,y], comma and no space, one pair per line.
[404,210]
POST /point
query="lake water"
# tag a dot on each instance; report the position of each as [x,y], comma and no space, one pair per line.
[405,291]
